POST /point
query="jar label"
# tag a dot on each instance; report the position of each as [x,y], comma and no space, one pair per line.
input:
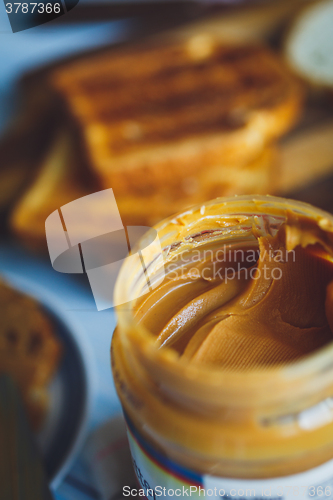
[160,477]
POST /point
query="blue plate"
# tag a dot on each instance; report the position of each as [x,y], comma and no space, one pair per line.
[70,392]
[64,426]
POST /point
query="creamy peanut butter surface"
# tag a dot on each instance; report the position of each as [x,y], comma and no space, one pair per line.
[259,300]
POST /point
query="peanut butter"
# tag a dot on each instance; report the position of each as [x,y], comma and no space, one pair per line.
[269,309]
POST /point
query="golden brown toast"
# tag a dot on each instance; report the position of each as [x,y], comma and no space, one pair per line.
[143,114]
[29,351]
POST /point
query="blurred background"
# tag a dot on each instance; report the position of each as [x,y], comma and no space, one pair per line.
[169,103]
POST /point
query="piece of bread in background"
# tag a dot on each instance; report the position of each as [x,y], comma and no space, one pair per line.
[146,112]
[309,44]
[29,350]
[166,125]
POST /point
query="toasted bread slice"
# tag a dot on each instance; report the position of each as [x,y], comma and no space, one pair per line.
[144,113]
[29,351]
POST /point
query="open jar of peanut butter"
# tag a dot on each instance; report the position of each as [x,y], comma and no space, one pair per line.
[223,354]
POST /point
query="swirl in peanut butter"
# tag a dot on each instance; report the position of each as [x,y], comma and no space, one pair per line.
[268,302]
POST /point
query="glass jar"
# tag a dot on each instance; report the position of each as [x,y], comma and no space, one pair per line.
[234,433]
